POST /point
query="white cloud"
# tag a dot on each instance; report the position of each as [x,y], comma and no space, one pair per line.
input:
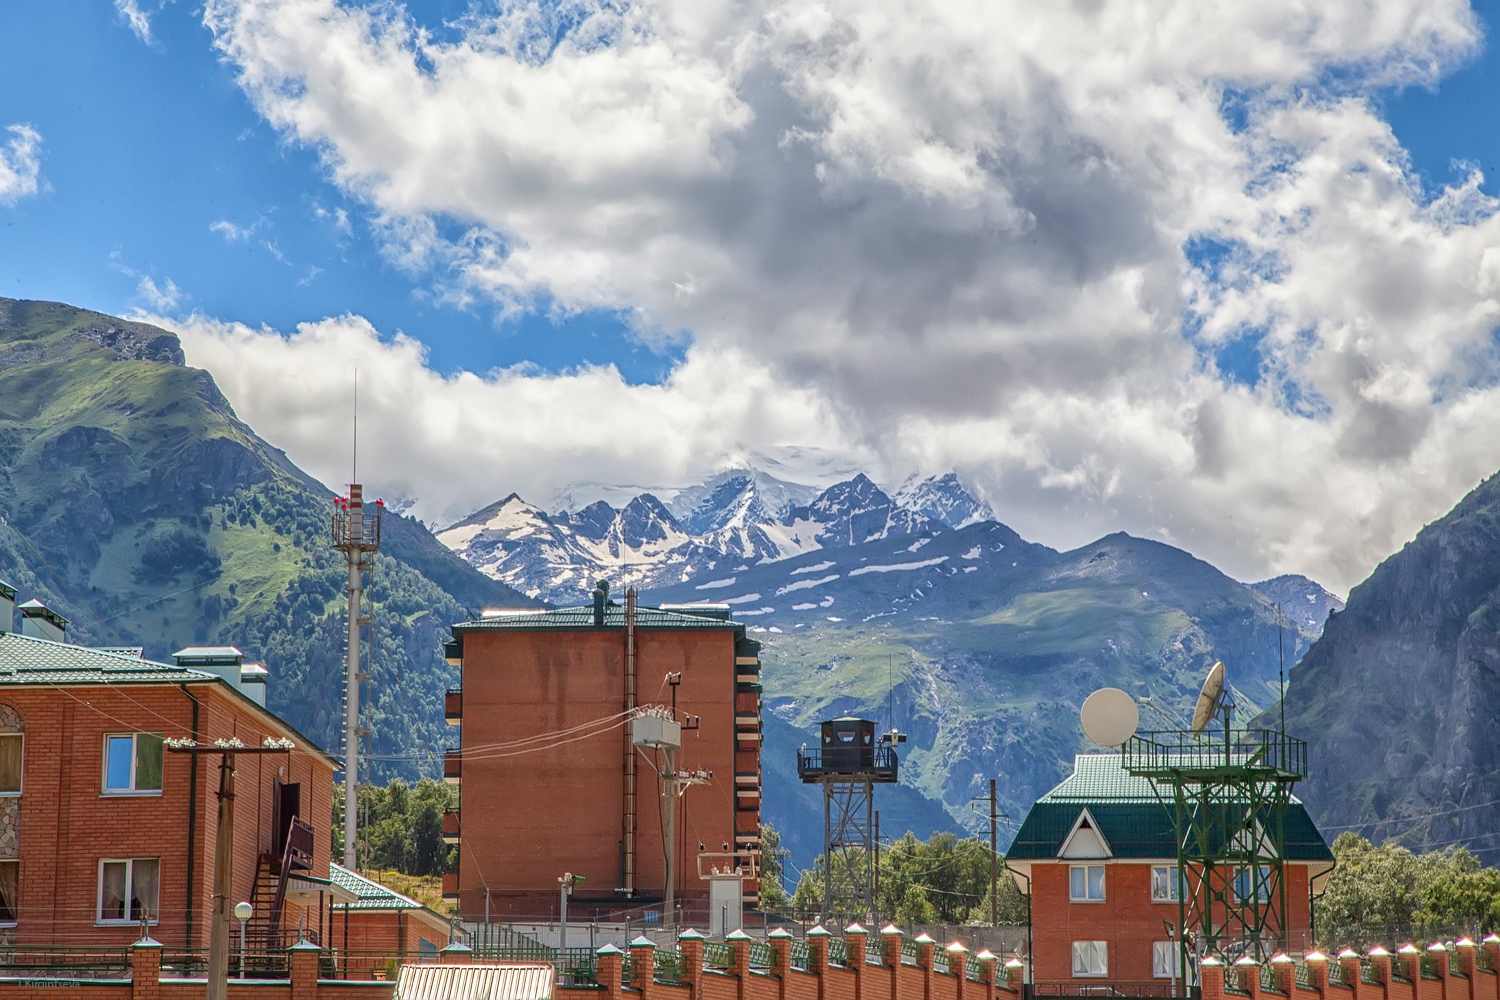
[135,18]
[20,164]
[169,297]
[1006,236]
[459,442]
[231,232]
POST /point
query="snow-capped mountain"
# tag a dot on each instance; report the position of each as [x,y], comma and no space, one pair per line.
[736,519]
[944,499]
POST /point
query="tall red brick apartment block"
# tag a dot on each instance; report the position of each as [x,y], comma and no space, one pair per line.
[545,759]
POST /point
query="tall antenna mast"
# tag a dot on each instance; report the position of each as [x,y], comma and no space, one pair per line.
[1281,668]
[356,533]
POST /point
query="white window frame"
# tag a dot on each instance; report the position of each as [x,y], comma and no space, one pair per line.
[1097,948]
[17,863]
[17,792]
[1260,887]
[104,788]
[1174,959]
[1174,883]
[129,864]
[1086,897]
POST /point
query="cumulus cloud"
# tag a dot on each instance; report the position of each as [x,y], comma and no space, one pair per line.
[20,164]
[458,442]
[1024,239]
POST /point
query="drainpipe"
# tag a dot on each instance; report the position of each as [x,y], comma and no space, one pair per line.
[630,804]
[192,823]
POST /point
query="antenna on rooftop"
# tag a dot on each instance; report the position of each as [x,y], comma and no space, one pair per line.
[1109,717]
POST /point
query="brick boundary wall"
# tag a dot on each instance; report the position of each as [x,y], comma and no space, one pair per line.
[1464,971]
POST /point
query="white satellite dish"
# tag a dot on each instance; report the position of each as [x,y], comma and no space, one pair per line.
[1109,717]
[1208,698]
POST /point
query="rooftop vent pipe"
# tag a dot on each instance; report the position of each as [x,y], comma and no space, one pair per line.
[41,622]
[7,606]
[224,661]
[253,678]
[601,601]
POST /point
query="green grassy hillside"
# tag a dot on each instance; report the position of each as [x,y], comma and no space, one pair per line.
[139,506]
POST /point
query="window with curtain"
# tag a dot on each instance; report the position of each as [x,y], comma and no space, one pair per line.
[1090,958]
[1166,960]
[10,879]
[132,763]
[10,763]
[1086,883]
[129,890]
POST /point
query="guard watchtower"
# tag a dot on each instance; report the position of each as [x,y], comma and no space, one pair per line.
[849,762]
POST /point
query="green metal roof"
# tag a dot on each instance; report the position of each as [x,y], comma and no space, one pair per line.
[583,618]
[26,659]
[372,895]
[1129,816]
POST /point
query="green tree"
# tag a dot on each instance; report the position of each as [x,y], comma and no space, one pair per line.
[772,866]
[401,827]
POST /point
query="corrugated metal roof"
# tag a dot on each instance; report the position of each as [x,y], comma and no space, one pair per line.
[583,617]
[475,982]
[371,894]
[1130,817]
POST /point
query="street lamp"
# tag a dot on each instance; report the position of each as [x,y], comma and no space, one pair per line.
[242,912]
[565,889]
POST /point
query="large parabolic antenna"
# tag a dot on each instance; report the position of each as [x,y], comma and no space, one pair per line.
[1208,698]
[1109,717]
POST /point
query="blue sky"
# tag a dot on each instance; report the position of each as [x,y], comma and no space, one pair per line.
[903,271]
[146,146]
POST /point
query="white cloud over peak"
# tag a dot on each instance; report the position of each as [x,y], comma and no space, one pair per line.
[460,442]
[20,164]
[1020,238]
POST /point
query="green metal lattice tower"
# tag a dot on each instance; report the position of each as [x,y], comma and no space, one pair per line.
[1227,795]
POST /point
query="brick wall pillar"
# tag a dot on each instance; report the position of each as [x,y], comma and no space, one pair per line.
[1317,968]
[958,965]
[854,947]
[145,970]
[1211,978]
[456,954]
[611,971]
[1351,963]
[1285,973]
[1249,973]
[987,959]
[925,946]
[642,966]
[1015,975]
[781,944]
[817,957]
[890,949]
[1411,962]
[690,945]
[1491,944]
[304,961]
[1439,957]
[1463,961]
[739,942]
[1381,959]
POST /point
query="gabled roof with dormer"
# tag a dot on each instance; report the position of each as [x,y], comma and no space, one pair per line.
[1129,818]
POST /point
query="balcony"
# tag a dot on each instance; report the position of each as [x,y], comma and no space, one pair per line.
[453,706]
[876,763]
[450,827]
[452,766]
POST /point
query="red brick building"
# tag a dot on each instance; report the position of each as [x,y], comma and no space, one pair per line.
[545,754]
[1098,855]
[370,917]
[101,826]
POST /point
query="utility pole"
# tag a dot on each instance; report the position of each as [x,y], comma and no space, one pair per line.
[673,785]
[994,856]
[219,930]
[357,535]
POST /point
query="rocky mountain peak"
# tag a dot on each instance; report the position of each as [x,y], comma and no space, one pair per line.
[943,499]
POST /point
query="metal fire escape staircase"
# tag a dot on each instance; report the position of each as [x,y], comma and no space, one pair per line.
[264,934]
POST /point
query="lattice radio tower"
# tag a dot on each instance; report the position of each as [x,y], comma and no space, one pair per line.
[356,533]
